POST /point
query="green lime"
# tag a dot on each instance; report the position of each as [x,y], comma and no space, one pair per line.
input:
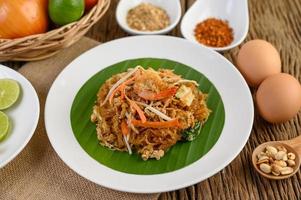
[63,12]
[9,93]
[4,125]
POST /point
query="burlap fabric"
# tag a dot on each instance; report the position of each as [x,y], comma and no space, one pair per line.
[38,173]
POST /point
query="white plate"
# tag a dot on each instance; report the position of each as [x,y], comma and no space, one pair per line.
[226,78]
[23,115]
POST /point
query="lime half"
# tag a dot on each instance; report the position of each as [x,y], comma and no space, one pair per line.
[9,93]
[4,125]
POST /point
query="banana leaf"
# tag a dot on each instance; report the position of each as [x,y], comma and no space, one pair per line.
[180,155]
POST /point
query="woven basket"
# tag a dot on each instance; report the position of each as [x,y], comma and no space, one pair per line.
[40,46]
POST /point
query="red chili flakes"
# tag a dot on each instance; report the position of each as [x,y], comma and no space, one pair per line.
[214,32]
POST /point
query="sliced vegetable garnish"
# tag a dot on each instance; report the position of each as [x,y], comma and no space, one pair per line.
[121,88]
[129,74]
[127,144]
[135,106]
[148,124]
[156,111]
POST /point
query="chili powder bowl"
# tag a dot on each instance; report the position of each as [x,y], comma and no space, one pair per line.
[235,12]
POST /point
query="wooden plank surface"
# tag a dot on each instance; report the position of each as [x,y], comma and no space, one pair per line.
[278,21]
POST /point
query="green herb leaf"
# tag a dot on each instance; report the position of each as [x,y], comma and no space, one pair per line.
[192,133]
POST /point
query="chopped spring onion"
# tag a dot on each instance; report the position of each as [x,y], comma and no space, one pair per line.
[130,73]
[127,143]
[156,111]
[192,133]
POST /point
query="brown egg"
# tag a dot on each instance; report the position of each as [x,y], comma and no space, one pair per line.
[278,98]
[256,60]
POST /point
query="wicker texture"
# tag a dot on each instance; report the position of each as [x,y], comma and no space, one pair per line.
[40,46]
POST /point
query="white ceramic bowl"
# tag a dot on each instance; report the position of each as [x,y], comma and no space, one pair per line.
[23,115]
[234,11]
[172,7]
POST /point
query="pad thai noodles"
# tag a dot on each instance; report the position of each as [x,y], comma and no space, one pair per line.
[148,111]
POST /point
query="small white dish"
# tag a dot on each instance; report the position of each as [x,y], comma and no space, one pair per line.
[172,7]
[228,81]
[23,115]
[234,11]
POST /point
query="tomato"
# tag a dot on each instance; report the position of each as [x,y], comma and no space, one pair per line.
[90,3]
[20,18]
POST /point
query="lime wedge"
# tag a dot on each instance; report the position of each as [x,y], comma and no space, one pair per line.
[9,93]
[4,125]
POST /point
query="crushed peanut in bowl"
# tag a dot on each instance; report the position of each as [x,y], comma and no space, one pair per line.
[276,161]
[214,33]
[147,17]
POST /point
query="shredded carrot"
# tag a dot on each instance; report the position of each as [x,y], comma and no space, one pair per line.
[124,128]
[158,124]
[138,109]
[135,71]
[121,87]
[122,91]
[133,104]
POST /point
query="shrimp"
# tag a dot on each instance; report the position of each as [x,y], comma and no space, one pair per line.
[150,86]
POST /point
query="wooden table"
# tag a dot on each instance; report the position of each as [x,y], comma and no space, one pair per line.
[278,21]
